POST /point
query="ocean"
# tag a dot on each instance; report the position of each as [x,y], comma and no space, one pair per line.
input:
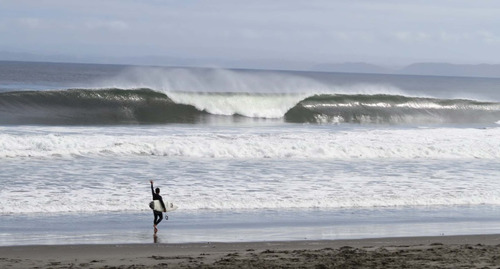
[247,155]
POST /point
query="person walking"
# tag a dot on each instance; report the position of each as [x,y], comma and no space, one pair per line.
[157,214]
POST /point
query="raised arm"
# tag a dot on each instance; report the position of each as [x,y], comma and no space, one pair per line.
[152,189]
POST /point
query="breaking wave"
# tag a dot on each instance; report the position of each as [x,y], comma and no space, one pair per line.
[146,106]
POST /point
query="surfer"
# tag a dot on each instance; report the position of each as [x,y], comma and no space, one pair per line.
[158,214]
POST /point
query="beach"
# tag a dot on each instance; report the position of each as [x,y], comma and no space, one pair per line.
[468,251]
[273,134]
[281,169]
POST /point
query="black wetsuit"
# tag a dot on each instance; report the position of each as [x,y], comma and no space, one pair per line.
[158,214]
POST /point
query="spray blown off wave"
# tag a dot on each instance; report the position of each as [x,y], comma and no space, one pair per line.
[145,106]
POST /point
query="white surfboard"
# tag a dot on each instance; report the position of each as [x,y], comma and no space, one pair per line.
[158,207]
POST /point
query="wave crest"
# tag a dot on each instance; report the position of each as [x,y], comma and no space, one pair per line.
[86,106]
[146,106]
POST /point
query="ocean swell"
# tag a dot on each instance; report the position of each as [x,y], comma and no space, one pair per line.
[391,109]
[146,106]
[91,107]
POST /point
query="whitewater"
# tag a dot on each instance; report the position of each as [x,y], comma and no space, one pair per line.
[290,142]
[232,167]
[81,142]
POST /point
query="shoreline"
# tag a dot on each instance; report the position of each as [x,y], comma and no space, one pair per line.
[248,226]
[417,252]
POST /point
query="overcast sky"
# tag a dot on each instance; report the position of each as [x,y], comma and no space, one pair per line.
[323,31]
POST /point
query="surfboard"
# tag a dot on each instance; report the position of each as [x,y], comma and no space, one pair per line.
[156,205]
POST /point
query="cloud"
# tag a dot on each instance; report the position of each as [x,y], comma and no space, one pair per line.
[443,37]
[489,37]
[413,36]
[455,37]
[322,30]
[31,23]
[113,25]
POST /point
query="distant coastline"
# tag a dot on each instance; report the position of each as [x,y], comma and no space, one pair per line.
[419,68]
[426,69]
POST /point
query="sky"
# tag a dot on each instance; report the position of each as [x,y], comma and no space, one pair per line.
[384,32]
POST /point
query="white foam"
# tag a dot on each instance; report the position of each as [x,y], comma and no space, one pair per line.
[92,169]
[121,184]
[439,143]
[254,106]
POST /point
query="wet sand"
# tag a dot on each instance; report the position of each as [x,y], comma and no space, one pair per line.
[471,251]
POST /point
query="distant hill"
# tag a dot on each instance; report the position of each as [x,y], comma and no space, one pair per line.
[357,67]
[446,69]
[429,69]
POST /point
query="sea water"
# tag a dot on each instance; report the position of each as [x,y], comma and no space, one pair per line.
[246,155]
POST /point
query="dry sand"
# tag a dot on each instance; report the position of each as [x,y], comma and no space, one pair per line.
[473,251]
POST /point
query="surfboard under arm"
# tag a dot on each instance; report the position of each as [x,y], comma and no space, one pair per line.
[158,207]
